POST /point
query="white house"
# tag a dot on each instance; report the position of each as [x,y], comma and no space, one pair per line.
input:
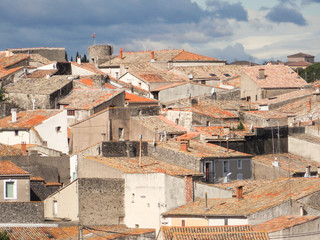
[41,127]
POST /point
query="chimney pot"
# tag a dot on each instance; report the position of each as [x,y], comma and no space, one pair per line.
[184,146]
[120,53]
[239,192]
[308,172]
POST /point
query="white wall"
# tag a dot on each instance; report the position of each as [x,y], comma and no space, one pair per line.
[130,79]
[9,137]
[304,148]
[230,221]
[80,71]
[73,167]
[48,132]
[200,189]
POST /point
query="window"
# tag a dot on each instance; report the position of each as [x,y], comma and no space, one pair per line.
[226,221]
[16,132]
[225,166]
[239,164]
[208,123]
[10,189]
[120,133]
[183,223]
[117,75]
[203,82]
[55,207]
[70,112]
[239,176]
[58,129]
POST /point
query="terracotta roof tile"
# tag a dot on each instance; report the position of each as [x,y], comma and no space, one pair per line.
[267,195]
[41,86]
[200,150]
[36,179]
[188,56]
[88,98]
[6,62]
[188,136]
[27,119]
[9,168]
[41,73]
[276,76]
[7,72]
[149,165]
[224,236]
[132,98]
[7,150]
[288,162]
[284,222]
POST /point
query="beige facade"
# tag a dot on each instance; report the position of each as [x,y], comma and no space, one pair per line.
[19,189]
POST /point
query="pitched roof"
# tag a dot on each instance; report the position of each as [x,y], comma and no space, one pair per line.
[9,168]
[148,165]
[268,195]
[276,76]
[88,98]
[41,73]
[42,86]
[202,150]
[160,124]
[188,56]
[7,72]
[284,222]
[299,64]
[71,233]
[212,232]
[188,136]
[134,98]
[288,162]
[208,110]
[6,62]
[224,236]
[27,119]
[300,55]
[7,150]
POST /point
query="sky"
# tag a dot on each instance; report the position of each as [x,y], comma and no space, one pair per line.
[252,30]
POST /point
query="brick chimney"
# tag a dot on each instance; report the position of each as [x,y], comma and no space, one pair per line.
[184,146]
[23,146]
[188,188]
[239,192]
[120,53]
[261,73]
[152,55]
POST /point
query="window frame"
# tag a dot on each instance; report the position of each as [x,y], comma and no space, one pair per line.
[14,189]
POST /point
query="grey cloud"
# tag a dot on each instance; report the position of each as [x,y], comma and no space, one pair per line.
[232,53]
[227,10]
[281,14]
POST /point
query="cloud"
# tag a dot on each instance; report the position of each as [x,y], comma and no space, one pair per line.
[227,10]
[282,14]
[232,53]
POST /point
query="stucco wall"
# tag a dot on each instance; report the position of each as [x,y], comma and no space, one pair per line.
[183,118]
[63,204]
[298,147]
[131,79]
[9,137]
[22,189]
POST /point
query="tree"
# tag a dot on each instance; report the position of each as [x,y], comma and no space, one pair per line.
[84,59]
[240,126]
[66,56]
[71,59]
[311,73]
[4,235]
[3,94]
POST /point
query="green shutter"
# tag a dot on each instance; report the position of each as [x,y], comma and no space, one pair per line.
[9,189]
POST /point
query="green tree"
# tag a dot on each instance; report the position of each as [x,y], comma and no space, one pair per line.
[71,59]
[84,58]
[311,73]
[240,126]
[3,94]
[66,56]
[4,235]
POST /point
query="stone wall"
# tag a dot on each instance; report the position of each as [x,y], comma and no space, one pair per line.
[39,191]
[175,157]
[21,212]
[144,110]
[53,54]
[124,149]
[101,201]
[51,169]
[228,95]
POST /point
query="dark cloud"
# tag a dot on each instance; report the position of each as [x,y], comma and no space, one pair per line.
[281,14]
[227,10]
[233,53]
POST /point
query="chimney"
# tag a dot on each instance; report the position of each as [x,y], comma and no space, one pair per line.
[261,73]
[188,188]
[308,172]
[79,60]
[318,171]
[184,146]
[301,211]
[23,146]
[239,192]
[152,55]
[120,53]
[13,115]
